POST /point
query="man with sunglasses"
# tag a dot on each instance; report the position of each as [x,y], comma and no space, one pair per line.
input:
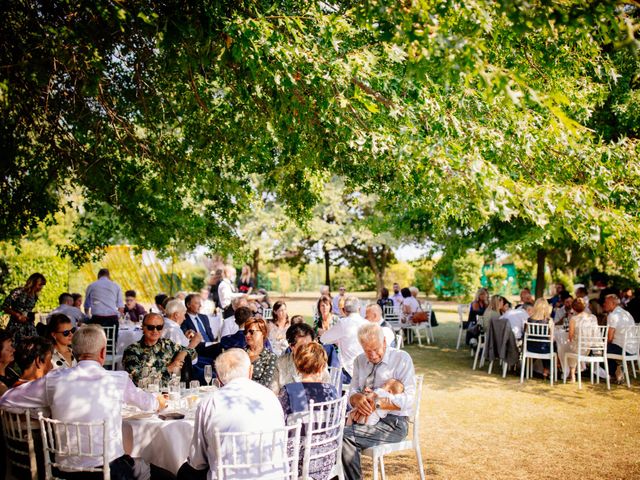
[161,354]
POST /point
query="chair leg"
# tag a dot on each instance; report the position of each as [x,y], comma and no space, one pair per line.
[417,334]
[523,366]
[505,366]
[382,468]
[633,369]
[375,467]
[490,367]
[625,368]
[606,369]
[420,467]
[459,337]
[475,359]
[579,374]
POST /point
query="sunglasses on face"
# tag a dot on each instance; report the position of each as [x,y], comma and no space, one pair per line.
[66,333]
[250,332]
[151,328]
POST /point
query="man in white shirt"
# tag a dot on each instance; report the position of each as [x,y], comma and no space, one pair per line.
[241,405]
[227,290]
[373,313]
[371,370]
[229,324]
[66,307]
[86,393]
[344,334]
[103,300]
[517,317]
[176,312]
[618,320]
[397,297]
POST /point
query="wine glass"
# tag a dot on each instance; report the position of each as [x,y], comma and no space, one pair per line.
[208,374]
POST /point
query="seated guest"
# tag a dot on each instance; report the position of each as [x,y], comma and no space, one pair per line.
[384,300]
[541,313]
[88,393]
[159,303]
[298,335]
[409,306]
[618,320]
[8,376]
[237,340]
[325,318]
[132,307]
[390,387]
[525,297]
[66,307]
[477,307]
[77,300]
[562,311]
[33,357]
[198,322]
[61,332]
[161,354]
[226,410]
[311,362]
[297,319]
[558,296]
[262,359]
[344,334]
[278,326]
[492,312]
[371,370]
[175,313]
[583,323]
[264,301]
[373,313]
[229,325]
[517,317]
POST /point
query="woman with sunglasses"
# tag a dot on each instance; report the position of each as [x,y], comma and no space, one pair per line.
[61,331]
[263,360]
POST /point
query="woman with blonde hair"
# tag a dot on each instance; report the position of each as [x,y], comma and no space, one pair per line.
[583,323]
[492,312]
[541,313]
[477,307]
[245,282]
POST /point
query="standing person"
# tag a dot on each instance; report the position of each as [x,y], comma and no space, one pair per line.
[397,295]
[227,290]
[214,283]
[344,334]
[278,328]
[132,307]
[371,370]
[245,282]
[338,301]
[103,300]
[61,332]
[19,306]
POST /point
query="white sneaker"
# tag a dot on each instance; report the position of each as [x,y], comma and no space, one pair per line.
[473,343]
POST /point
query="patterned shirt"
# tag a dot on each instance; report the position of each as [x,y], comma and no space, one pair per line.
[21,301]
[139,355]
[264,368]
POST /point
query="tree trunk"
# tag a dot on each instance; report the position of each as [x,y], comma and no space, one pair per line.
[378,268]
[255,268]
[541,258]
[327,264]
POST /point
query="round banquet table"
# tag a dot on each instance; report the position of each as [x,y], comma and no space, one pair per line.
[165,443]
[127,336]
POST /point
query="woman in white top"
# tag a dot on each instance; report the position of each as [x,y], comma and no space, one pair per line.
[61,331]
[585,323]
[278,328]
[409,305]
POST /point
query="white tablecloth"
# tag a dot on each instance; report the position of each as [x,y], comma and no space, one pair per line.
[563,346]
[126,337]
[165,443]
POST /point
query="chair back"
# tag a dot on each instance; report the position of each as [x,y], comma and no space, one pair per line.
[272,454]
[426,307]
[391,312]
[324,430]
[267,313]
[463,311]
[18,437]
[594,339]
[74,439]
[399,340]
[335,373]
[631,343]
[537,333]
[110,333]
[414,418]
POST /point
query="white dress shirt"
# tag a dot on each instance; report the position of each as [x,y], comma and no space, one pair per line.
[226,293]
[103,297]
[344,334]
[395,364]
[240,406]
[84,393]
[516,318]
[73,313]
[173,332]
[620,319]
[229,326]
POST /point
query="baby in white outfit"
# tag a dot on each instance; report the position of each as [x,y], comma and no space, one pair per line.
[390,387]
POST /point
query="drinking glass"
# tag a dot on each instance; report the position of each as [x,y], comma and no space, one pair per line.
[208,374]
[194,385]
